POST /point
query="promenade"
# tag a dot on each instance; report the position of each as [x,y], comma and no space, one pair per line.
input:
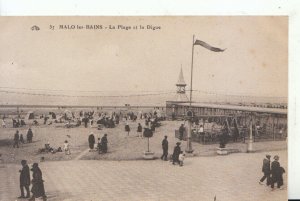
[229,178]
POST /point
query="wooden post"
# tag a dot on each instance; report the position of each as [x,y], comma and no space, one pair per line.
[277,124]
[250,143]
[274,128]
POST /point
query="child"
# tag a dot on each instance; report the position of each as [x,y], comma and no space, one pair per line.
[280,178]
[181,158]
[67,148]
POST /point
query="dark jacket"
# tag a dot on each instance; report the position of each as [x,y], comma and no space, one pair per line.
[25,176]
[37,189]
[104,141]
[29,134]
[104,144]
[165,144]
[17,137]
[176,153]
[127,128]
[139,129]
[91,139]
[266,166]
[181,130]
[275,169]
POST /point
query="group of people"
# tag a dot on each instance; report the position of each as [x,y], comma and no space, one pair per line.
[150,124]
[18,138]
[37,182]
[101,144]
[177,156]
[273,172]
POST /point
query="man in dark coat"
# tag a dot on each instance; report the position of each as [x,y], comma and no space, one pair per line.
[266,170]
[16,139]
[181,131]
[104,143]
[91,141]
[140,130]
[29,135]
[24,179]
[37,189]
[276,173]
[176,153]
[164,144]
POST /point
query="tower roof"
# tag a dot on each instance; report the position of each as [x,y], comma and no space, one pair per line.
[181,79]
[181,97]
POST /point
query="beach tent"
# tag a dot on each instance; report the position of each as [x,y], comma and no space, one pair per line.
[68,114]
[30,115]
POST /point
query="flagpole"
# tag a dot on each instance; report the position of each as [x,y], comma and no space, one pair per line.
[189,148]
[191,89]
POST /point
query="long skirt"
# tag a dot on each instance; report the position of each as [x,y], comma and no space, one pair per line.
[91,145]
[38,189]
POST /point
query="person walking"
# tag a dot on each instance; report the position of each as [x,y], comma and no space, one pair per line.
[164,144]
[37,188]
[22,139]
[104,143]
[176,153]
[266,170]
[29,135]
[24,179]
[91,141]
[276,173]
[16,139]
[140,130]
[181,132]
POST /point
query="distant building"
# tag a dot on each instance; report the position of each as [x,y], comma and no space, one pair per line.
[272,119]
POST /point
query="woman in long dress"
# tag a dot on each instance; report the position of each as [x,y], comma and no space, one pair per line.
[37,189]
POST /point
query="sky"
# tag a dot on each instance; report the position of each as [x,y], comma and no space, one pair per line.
[255,61]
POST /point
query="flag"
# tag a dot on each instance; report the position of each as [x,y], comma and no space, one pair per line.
[207,46]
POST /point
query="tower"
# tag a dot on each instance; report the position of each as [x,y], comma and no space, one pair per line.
[181,95]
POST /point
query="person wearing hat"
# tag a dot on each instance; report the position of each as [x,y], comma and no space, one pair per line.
[165,148]
[266,170]
[24,179]
[176,153]
[276,172]
[91,141]
[37,189]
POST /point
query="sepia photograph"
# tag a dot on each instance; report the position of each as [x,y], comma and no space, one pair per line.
[144,108]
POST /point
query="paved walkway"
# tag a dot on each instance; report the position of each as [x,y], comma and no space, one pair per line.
[78,157]
[229,178]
